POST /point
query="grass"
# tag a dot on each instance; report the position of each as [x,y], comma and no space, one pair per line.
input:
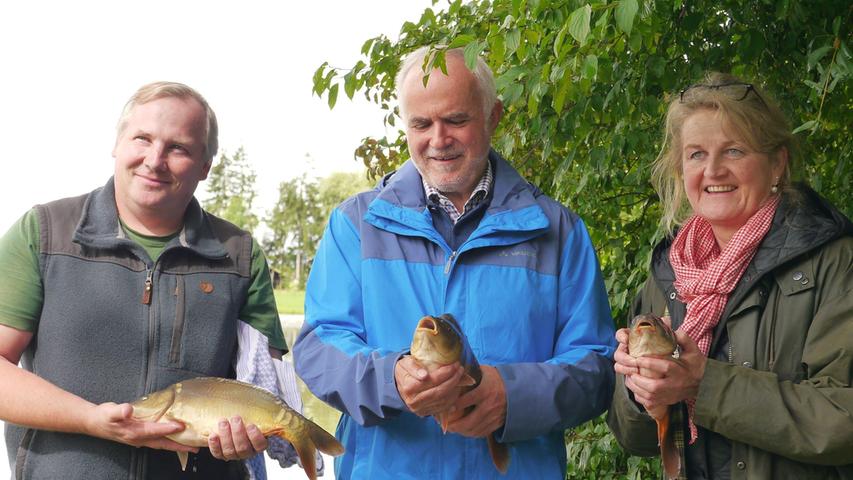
[290,301]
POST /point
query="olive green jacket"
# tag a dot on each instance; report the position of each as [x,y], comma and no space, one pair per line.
[777,388]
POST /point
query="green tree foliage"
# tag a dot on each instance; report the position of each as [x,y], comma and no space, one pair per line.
[299,217]
[584,86]
[231,183]
[294,234]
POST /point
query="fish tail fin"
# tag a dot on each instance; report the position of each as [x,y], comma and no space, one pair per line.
[182,457]
[500,454]
[668,451]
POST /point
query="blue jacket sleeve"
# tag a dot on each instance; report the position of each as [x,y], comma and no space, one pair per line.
[576,383]
[330,353]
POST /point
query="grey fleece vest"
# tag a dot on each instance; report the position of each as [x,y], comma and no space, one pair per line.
[102,337]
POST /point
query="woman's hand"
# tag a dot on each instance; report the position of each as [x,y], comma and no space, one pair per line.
[665,381]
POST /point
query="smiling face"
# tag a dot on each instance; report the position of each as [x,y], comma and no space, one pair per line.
[726,181]
[160,158]
[447,130]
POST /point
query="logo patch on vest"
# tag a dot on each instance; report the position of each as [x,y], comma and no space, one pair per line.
[206,287]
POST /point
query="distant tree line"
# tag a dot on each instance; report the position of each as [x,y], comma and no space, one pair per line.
[294,224]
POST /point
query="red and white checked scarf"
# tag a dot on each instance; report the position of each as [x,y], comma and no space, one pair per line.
[705,276]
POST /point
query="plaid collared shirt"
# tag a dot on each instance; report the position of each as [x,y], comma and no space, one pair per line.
[481,191]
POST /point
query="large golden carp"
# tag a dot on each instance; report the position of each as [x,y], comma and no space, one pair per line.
[650,336]
[200,403]
[439,341]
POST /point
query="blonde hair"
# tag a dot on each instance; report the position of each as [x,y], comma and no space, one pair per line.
[742,107]
[157,90]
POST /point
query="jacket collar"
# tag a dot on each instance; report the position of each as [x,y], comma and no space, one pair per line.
[804,221]
[401,205]
[99,226]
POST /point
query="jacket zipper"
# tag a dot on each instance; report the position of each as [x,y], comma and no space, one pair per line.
[449,263]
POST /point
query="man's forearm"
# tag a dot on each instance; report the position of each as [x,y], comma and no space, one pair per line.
[29,400]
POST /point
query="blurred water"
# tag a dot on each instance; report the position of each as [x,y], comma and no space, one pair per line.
[314,409]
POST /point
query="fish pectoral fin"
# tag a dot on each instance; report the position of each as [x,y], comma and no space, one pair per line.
[306,451]
[467,381]
[499,452]
[182,457]
[670,457]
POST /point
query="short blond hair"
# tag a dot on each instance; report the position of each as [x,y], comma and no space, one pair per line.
[157,90]
[744,108]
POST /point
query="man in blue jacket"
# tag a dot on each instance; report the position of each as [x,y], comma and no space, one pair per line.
[455,230]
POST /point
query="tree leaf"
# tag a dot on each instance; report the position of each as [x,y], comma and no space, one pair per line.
[625,13]
[333,96]
[810,125]
[579,23]
[461,40]
[472,53]
[816,55]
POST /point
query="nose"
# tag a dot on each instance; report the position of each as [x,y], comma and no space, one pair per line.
[440,136]
[155,157]
[715,166]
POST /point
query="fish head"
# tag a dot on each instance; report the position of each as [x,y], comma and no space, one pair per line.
[650,335]
[151,407]
[437,340]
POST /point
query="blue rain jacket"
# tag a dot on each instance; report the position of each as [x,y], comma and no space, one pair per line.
[527,291]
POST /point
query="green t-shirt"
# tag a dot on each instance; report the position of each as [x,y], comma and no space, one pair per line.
[22,293]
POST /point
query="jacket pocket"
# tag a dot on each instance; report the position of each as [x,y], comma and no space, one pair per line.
[180,315]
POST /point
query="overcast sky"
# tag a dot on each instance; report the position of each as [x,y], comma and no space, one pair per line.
[69,67]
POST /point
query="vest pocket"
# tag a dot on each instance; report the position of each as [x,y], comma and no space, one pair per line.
[178,327]
[21,457]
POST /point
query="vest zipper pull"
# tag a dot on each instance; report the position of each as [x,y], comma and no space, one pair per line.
[146,294]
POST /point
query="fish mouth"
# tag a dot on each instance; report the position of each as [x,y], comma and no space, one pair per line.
[428,324]
[644,325]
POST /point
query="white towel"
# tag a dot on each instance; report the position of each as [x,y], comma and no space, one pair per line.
[256,366]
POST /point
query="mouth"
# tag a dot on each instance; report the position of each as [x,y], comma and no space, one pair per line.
[445,157]
[645,326]
[429,325]
[720,188]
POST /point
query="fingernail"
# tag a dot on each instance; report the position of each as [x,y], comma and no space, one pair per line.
[236,420]
[422,373]
[223,424]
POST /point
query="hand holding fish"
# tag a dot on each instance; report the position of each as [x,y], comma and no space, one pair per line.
[487,403]
[427,392]
[236,441]
[663,381]
[115,422]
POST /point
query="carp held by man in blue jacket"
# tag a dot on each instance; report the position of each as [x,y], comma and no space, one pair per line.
[439,341]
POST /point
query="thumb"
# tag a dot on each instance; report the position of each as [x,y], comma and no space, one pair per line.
[688,345]
[117,413]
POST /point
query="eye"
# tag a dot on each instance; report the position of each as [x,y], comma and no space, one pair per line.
[141,138]
[696,155]
[179,148]
[734,152]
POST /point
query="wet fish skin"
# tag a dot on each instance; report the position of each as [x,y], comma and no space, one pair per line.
[649,335]
[439,341]
[200,403]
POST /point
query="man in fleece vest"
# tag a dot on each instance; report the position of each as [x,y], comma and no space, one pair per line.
[120,292]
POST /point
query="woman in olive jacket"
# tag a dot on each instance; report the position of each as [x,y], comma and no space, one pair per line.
[769,397]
